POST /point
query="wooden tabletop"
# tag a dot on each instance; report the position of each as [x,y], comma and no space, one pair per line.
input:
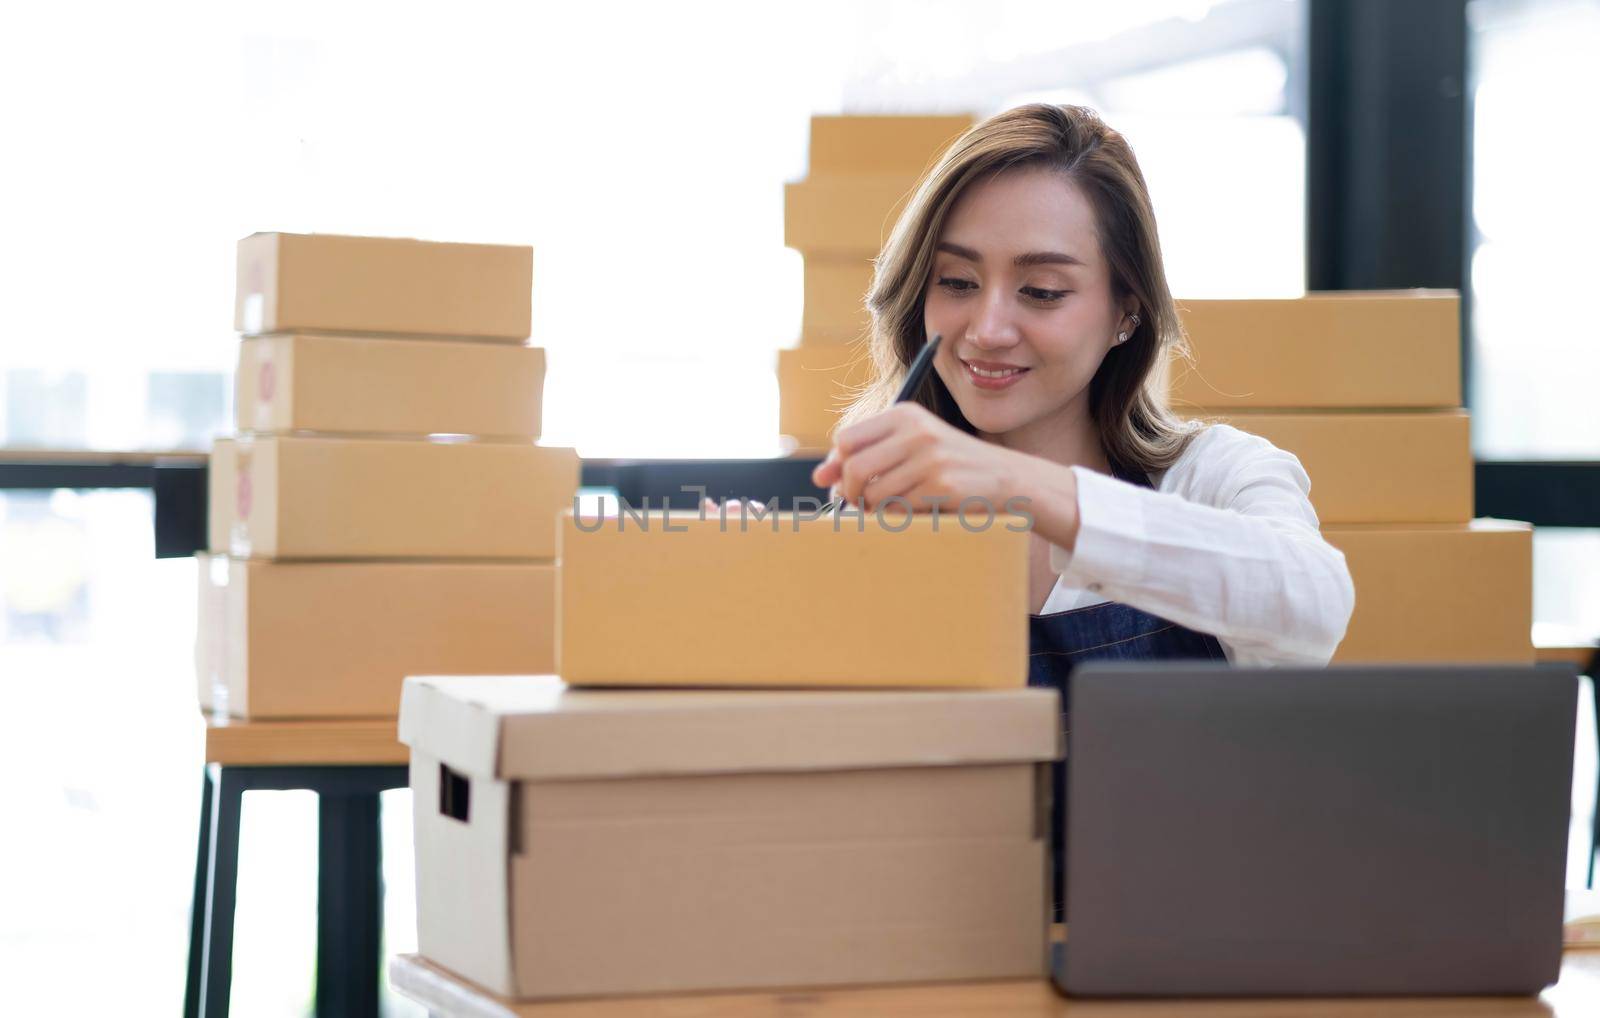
[1577,995]
[345,742]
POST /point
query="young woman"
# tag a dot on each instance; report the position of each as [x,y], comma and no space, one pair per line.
[1031,248]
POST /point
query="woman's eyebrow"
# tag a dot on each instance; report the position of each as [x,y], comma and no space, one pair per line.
[1022,261]
[1046,258]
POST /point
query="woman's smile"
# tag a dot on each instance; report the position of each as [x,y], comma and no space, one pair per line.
[992,376]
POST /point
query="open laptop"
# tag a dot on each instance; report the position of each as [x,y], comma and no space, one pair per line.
[1329,832]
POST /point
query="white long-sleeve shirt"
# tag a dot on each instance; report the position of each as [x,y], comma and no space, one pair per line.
[1227,544]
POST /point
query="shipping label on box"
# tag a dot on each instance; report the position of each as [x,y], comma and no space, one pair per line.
[815,385]
[843,217]
[331,498]
[1377,468]
[1443,593]
[1378,350]
[881,144]
[211,632]
[841,600]
[589,842]
[328,283]
[335,384]
[337,639]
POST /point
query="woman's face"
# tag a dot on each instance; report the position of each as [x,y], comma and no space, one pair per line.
[1022,296]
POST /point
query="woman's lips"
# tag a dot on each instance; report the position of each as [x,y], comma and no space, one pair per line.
[992,376]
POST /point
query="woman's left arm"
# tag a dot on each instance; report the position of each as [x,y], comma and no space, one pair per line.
[1233,550]
[1237,554]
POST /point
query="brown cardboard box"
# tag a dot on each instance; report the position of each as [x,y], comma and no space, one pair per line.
[1377,468]
[1322,351]
[325,283]
[210,631]
[1443,593]
[815,385]
[397,386]
[881,144]
[843,217]
[222,494]
[328,498]
[336,639]
[835,296]
[789,601]
[602,842]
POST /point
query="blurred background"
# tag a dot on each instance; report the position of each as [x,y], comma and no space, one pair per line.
[642,150]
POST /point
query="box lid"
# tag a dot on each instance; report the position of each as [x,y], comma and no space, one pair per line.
[536,727]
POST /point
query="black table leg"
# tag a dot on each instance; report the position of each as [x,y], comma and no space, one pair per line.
[217,967]
[349,905]
[197,912]
[1594,818]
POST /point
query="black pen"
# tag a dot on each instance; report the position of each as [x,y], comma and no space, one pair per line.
[921,364]
[918,372]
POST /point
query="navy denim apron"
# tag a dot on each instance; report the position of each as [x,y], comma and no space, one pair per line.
[1103,632]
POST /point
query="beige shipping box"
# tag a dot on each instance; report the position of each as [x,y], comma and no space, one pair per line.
[835,299]
[844,216]
[881,144]
[596,842]
[222,494]
[815,385]
[337,639]
[395,386]
[350,498]
[1368,350]
[1377,468]
[327,283]
[787,600]
[1441,593]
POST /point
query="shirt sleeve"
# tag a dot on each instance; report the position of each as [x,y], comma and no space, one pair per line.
[1229,546]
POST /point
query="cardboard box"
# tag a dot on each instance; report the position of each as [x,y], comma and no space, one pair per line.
[222,494]
[1377,350]
[881,144]
[1441,593]
[602,842]
[835,299]
[1377,468]
[844,217]
[815,385]
[396,386]
[330,498]
[326,283]
[337,639]
[790,601]
[211,632]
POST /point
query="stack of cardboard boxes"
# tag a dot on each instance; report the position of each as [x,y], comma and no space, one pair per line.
[384,508]
[576,841]
[1365,388]
[862,172]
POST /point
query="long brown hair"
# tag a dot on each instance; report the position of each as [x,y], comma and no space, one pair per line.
[1126,395]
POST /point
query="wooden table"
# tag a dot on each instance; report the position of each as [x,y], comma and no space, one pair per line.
[1577,995]
[348,763]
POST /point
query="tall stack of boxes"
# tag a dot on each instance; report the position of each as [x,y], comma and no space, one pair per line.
[1365,388]
[384,508]
[591,841]
[862,171]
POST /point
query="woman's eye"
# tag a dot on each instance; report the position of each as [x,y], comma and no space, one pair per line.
[957,285]
[1048,295]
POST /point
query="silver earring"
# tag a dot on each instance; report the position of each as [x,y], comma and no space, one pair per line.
[1122,337]
[1135,321]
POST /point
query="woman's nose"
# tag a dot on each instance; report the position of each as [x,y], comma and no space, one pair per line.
[992,327]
